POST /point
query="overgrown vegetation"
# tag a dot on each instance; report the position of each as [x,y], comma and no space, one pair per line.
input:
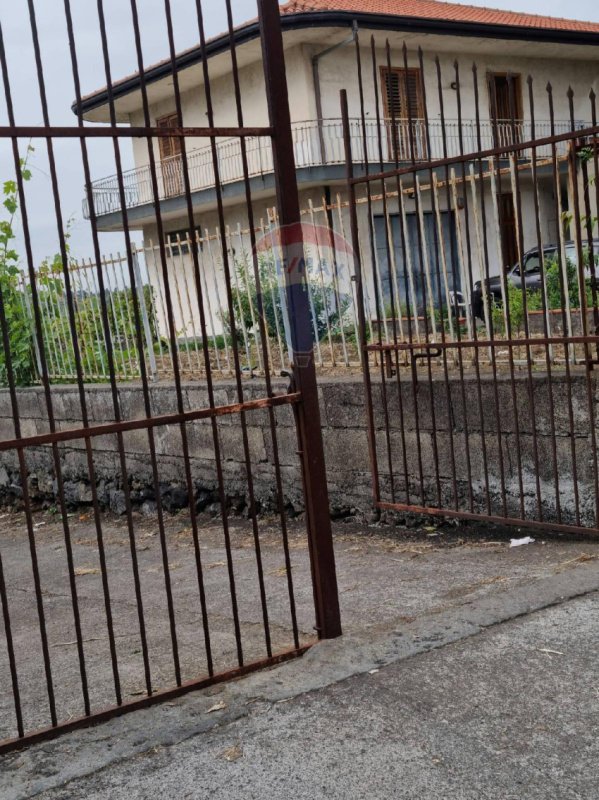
[328,312]
[18,337]
[556,295]
[18,304]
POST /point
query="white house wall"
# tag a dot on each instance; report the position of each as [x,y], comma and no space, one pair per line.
[254,105]
[339,71]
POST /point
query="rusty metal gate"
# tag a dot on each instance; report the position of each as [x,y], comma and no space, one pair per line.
[476,249]
[74,652]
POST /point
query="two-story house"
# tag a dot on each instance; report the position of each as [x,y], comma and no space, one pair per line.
[416,108]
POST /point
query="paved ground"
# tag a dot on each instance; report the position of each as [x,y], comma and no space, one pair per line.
[484,686]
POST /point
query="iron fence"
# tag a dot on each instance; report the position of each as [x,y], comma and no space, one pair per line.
[48,685]
[530,308]
[85,283]
[397,227]
[315,143]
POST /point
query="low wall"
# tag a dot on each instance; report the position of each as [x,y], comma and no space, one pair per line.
[522,442]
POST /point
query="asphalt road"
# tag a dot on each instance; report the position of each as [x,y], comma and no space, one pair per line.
[508,714]
[468,670]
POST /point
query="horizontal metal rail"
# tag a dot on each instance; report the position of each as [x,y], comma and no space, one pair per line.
[484,343]
[90,431]
[517,522]
[128,132]
[482,155]
[160,696]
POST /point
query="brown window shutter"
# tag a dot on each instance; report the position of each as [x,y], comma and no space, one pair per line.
[169,145]
[402,93]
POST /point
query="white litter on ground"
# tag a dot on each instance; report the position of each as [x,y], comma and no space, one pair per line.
[524,540]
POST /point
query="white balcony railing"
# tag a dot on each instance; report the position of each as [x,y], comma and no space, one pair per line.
[316,144]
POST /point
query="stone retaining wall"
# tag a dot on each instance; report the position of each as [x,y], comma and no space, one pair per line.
[437,416]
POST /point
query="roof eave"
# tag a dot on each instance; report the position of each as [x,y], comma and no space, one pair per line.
[339,19]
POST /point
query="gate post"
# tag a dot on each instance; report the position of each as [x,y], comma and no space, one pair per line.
[322,555]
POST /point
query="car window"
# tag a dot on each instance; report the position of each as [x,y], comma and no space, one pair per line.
[571,254]
[532,264]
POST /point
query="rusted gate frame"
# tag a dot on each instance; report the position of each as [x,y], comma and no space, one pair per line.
[302,397]
[386,354]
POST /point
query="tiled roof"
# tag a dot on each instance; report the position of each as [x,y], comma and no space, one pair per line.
[435,9]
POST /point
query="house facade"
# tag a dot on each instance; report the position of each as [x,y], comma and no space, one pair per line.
[408,102]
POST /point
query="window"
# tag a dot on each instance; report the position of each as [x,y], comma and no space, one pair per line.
[403,104]
[433,246]
[505,107]
[532,264]
[170,157]
[169,145]
[402,93]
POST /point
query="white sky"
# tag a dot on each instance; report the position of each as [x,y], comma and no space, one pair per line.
[14,18]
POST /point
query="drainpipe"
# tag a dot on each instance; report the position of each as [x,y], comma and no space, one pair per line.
[316,77]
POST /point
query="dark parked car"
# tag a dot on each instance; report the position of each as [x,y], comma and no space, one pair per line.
[532,274]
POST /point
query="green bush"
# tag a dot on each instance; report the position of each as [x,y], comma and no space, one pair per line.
[515,304]
[18,326]
[266,295]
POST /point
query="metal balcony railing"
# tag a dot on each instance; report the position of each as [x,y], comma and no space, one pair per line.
[316,144]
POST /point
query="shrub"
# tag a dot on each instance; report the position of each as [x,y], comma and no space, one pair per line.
[326,313]
[18,326]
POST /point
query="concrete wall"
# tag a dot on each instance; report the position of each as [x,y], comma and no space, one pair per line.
[512,458]
[339,71]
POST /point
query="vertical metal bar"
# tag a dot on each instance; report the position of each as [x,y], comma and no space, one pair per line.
[593,262]
[508,324]
[221,314]
[395,313]
[439,246]
[470,290]
[485,278]
[546,319]
[317,502]
[14,676]
[332,241]
[203,295]
[93,299]
[565,302]
[517,195]
[381,319]
[110,290]
[424,284]
[351,279]
[583,305]
[360,303]
[454,260]
[263,337]
[144,316]
[152,250]
[221,230]
[248,291]
[323,293]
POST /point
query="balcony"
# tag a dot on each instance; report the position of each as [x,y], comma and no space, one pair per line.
[316,145]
